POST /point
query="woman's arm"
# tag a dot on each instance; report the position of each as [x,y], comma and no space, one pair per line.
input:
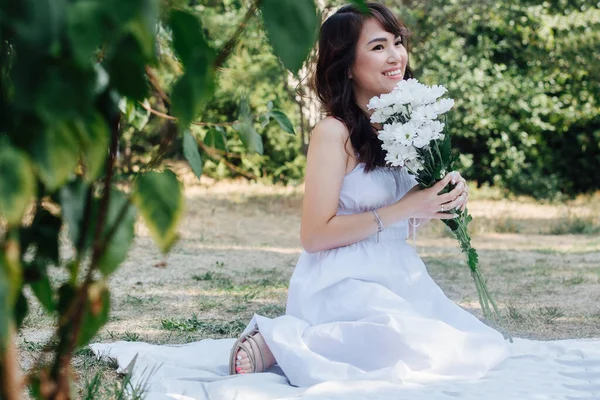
[321,228]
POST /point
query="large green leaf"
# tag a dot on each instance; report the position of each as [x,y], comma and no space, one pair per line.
[188,37]
[43,291]
[191,92]
[56,153]
[72,203]
[43,235]
[66,91]
[196,86]
[96,312]
[117,248]
[40,26]
[17,184]
[85,29]
[159,198]
[126,66]
[292,28]
[283,121]
[95,138]
[143,28]
[191,153]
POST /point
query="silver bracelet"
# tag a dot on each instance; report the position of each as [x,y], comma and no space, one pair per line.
[379,224]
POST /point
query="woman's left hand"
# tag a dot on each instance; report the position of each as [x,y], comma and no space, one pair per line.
[460,202]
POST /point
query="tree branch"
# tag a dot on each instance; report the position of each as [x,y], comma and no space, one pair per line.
[227,48]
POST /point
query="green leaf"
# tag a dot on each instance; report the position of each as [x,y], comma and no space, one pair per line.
[118,246]
[215,138]
[126,66]
[56,153]
[191,92]
[245,128]
[21,309]
[41,25]
[17,184]
[134,114]
[43,291]
[292,29]
[95,138]
[36,275]
[249,137]
[188,36]
[191,153]
[195,87]
[43,234]
[159,198]
[143,29]
[85,29]
[73,197]
[283,121]
[97,307]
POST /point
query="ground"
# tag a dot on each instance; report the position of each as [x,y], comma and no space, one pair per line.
[240,241]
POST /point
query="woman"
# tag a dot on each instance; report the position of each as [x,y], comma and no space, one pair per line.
[361,304]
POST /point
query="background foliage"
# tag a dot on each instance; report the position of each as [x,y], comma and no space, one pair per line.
[524,75]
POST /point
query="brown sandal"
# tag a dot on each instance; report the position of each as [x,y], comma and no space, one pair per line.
[248,344]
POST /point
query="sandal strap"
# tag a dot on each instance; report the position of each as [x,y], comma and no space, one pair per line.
[256,348]
[246,342]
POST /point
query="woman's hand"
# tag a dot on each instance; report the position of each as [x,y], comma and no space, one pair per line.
[457,178]
[428,203]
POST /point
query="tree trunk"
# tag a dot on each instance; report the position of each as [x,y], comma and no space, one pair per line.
[11,383]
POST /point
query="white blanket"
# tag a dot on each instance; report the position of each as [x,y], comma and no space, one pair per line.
[565,369]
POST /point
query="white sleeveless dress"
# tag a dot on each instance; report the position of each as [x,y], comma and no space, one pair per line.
[370,310]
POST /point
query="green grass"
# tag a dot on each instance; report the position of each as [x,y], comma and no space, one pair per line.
[549,314]
[131,336]
[271,310]
[576,280]
[212,327]
[98,378]
[575,226]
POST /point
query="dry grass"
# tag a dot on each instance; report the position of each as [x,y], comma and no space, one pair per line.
[240,242]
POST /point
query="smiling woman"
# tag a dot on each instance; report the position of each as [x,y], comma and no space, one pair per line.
[361,304]
[360,56]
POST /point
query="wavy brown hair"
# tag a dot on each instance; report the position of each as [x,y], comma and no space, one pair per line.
[338,37]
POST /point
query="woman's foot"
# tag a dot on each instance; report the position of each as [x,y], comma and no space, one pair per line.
[242,360]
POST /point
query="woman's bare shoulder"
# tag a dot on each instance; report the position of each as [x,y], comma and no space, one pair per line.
[330,128]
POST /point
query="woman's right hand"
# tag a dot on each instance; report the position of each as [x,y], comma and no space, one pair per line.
[427,203]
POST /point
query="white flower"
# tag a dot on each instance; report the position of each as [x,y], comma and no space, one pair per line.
[410,115]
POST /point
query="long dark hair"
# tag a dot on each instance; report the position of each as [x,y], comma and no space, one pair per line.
[338,37]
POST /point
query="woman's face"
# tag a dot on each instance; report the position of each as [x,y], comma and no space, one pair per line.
[379,64]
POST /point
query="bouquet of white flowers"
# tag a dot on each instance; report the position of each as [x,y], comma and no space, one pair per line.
[415,139]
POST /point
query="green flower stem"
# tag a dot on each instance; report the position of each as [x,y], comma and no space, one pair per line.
[458,226]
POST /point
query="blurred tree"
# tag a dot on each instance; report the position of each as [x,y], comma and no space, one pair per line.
[79,81]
